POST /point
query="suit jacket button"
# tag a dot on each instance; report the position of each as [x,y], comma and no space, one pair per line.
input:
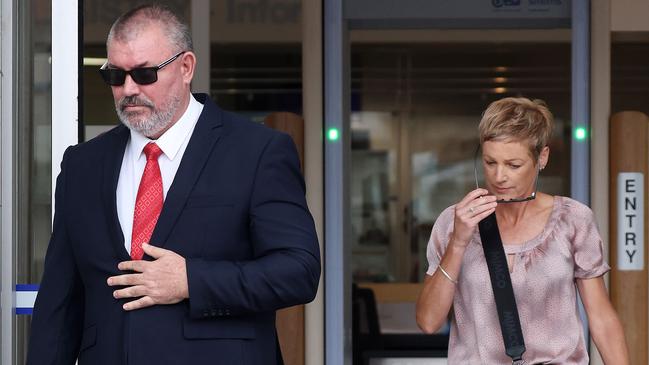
[213,313]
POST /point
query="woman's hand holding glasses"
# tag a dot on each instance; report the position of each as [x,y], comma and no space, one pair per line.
[473,208]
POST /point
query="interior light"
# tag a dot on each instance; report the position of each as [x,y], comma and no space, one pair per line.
[580,133]
[93,61]
[333,134]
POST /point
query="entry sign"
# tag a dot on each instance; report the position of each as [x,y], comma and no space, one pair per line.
[630,221]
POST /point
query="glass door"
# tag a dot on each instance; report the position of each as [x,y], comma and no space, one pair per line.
[456,57]
[38,124]
[427,70]
[415,109]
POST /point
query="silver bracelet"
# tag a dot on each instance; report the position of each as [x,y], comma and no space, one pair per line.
[447,275]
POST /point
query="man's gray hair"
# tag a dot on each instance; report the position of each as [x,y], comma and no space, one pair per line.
[129,25]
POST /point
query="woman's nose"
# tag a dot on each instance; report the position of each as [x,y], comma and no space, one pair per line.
[500,174]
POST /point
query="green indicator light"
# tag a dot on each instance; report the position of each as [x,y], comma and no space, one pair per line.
[580,133]
[333,134]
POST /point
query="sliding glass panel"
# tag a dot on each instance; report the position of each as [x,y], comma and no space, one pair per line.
[33,131]
[416,106]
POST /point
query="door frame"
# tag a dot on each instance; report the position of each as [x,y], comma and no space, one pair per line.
[64,132]
[339,17]
[7,185]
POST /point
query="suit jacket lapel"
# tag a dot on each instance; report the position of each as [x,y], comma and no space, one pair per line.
[206,133]
[112,166]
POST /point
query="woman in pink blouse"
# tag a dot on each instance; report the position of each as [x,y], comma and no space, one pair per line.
[551,244]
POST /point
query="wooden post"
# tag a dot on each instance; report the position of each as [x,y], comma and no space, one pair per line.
[629,164]
[290,321]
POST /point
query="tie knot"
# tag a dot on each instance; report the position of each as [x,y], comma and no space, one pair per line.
[152,151]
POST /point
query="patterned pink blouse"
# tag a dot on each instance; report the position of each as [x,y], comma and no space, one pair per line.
[543,276]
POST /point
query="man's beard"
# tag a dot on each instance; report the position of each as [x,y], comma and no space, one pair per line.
[158,120]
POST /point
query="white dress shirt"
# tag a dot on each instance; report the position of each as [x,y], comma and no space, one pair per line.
[173,144]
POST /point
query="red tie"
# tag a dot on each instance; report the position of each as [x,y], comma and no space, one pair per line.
[148,203]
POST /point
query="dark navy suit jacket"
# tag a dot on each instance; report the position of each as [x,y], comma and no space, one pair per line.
[236,211]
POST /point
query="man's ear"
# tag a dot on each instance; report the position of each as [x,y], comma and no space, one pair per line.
[187,66]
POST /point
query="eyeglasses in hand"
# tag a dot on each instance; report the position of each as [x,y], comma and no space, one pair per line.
[512,200]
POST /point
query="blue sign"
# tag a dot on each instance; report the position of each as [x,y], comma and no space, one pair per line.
[25,298]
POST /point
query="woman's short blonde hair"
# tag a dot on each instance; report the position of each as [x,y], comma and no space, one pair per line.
[518,119]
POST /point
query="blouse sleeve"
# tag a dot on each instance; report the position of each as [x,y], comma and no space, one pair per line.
[439,238]
[587,245]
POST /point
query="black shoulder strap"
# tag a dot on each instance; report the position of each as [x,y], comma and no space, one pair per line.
[501,284]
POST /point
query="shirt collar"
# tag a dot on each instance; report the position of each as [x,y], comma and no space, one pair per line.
[171,140]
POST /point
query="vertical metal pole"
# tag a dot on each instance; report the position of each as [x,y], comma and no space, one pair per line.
[6,181]
[200,23]
[81,128]
[65,86]
[580,163]
[600,71]
[312,110]
[336,161]
[580,147]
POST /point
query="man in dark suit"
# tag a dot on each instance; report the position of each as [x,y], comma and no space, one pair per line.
[220,200]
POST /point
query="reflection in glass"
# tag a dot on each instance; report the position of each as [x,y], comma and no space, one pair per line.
[414,129]
[373,190]
[415,113]
[33,135]
[629,70]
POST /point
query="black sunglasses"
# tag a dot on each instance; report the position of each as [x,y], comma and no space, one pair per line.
[141,75]
[512,200]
